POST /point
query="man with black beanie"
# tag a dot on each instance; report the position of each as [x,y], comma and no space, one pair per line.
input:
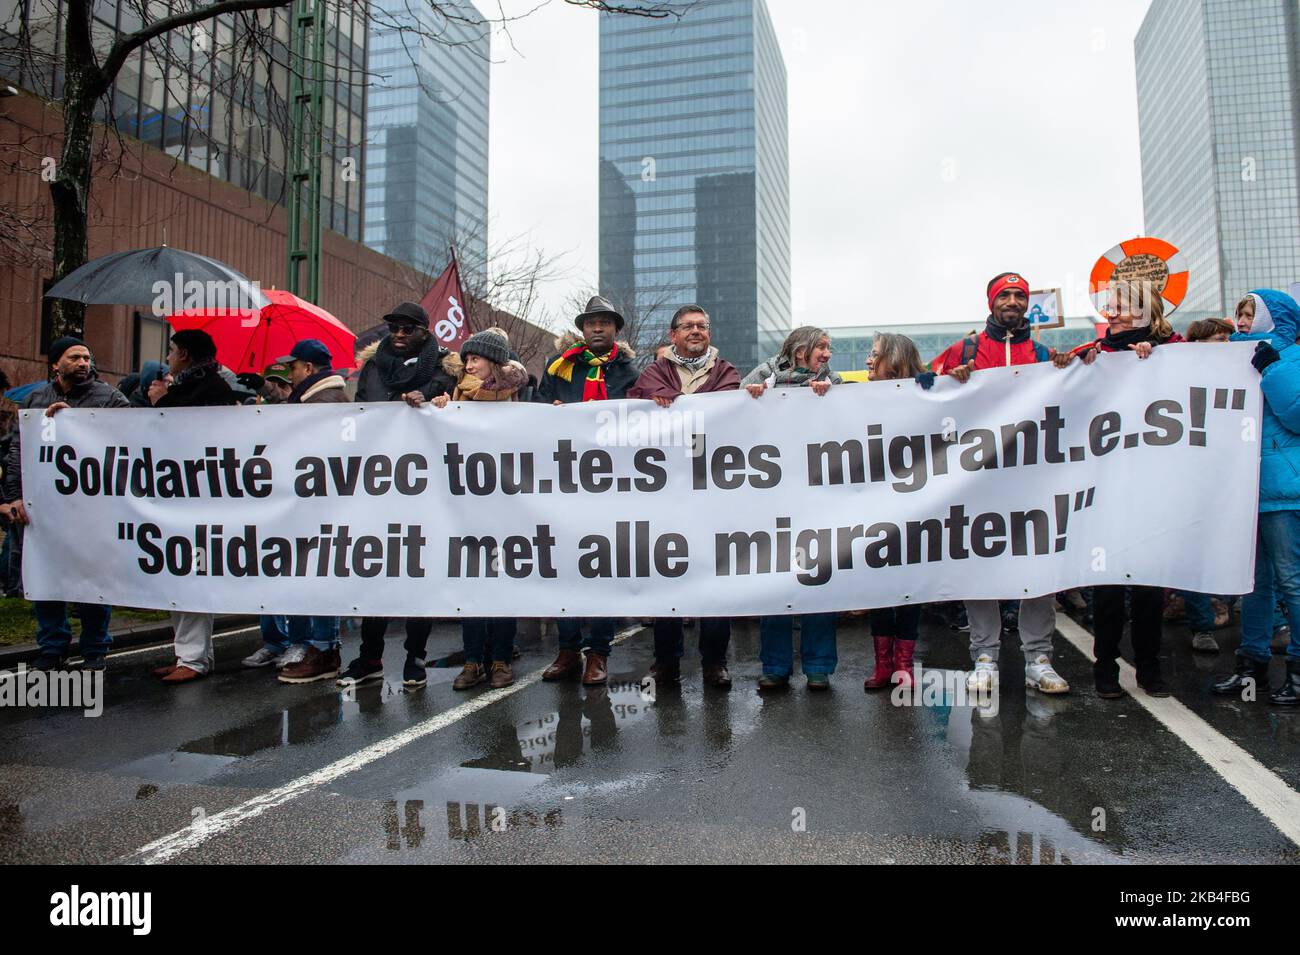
[72,384]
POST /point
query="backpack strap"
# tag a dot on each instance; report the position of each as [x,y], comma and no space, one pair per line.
[969,346]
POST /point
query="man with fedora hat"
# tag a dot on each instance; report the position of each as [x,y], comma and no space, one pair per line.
[409,365]
[594,368]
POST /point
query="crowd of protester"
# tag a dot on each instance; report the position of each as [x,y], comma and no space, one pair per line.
[408,365]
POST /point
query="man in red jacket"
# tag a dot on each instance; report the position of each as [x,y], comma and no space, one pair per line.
[1006,340]
[691,366]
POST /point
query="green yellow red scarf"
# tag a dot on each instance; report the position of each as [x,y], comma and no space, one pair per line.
[593,388]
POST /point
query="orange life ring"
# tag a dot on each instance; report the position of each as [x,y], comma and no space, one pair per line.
[1142,259]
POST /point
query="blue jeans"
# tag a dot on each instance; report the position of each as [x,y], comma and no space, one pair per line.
[1277,562]
[600,633]
[279,632]
[489,638]
[1200,612]
[54,635]
[816,644]
[275,631]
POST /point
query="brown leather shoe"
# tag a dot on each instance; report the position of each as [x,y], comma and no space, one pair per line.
[715,674]
[165,670]
[596,672]
[182,674]
[666,672]
[471,675]
[502,675]
[567,665]
[316,665]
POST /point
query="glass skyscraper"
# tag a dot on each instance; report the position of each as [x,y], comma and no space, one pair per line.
[1218,85]
[427,128]
[694,174]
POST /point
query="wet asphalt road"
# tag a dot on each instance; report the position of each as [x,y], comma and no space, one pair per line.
[561,773]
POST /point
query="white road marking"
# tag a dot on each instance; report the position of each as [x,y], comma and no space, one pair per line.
[192,836]
[1262,788]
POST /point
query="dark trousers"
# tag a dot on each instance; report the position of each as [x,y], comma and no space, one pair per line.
[489,638]
[1145,614]
[600,634]
[715,637]
[901,622]
[374,628]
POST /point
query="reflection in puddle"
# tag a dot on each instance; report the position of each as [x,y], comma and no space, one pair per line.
[1019,777]
[557,739]
[465,821]
[305,722]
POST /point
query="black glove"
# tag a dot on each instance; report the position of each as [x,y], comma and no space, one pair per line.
[926,380]
[1265,355]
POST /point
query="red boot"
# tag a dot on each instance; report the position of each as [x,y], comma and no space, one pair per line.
[903,661]
[879,678]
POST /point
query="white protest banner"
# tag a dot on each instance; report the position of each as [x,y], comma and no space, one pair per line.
[1024,481]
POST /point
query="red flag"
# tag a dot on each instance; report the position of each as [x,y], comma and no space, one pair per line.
[445,305]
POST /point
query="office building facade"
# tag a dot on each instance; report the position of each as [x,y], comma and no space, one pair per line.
[694,174]
[427,151]
[1218,85]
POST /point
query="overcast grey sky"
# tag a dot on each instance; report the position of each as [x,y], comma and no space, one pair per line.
[933,144]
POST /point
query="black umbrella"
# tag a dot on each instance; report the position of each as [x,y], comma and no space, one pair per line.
[171,279]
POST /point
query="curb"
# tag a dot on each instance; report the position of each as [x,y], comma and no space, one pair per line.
[137,636]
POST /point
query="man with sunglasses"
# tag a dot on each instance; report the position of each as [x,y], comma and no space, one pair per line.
[409,364]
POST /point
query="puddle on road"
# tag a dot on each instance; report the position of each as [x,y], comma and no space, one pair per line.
[1017,764]
[303,723]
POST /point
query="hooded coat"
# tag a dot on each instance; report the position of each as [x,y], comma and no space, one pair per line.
[1276,319]
[371,385]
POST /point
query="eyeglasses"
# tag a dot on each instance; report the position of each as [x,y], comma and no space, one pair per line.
[401,328]
[693,326]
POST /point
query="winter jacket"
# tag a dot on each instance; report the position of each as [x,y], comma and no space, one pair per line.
[620,375]
[663,380]
[199,386]
[324,387]
[89,394]
[371,385]
[774,365]
[995,347]
[1279,458]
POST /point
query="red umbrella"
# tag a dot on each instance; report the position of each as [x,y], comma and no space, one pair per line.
[249,341]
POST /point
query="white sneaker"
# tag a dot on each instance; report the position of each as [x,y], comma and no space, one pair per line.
[295,654]
[264,657]
[1040,675]
[982,679]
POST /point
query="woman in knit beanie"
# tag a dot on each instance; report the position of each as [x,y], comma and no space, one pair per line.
[489,374]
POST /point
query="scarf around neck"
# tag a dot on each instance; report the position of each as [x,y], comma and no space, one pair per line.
[403,373]
[472,388]
[593,387]
[999,333]
[691,364]
[1121,341]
